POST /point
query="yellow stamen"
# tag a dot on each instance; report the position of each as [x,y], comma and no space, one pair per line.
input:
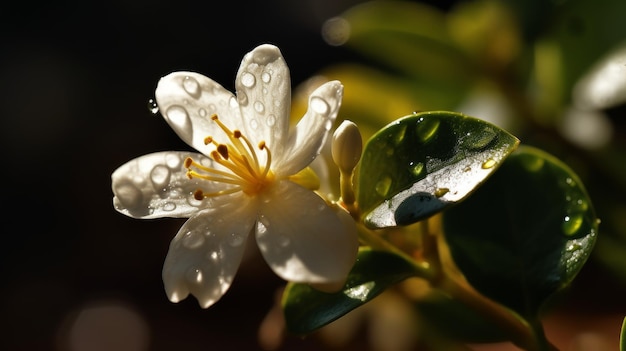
[239,157]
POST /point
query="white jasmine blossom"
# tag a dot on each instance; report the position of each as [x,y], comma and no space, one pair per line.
[250,175]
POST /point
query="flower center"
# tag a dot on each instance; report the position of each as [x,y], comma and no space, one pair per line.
[240,157]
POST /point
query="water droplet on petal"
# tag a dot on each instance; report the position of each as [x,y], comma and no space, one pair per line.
[266,77]
[248,80]
[283,240]
[319,105]
[242,98]
[192,240]
[153,107]
[489,163]
[194,275]
[259,107]
[427,128]
[235,239]
[382,186]
[254,124]
[128,194]
[233,102]
[173,161]
[202,112]
[179,118]
[571,224]
[191,86]
[169,206]
[271,120]
[160,176]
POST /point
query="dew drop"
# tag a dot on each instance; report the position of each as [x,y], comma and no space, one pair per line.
[479,141]
[271,120]
[153,107]
[319,105]
[128,195]
[259,107]
[179,119]
[489,163]
[571,224]
[191,86]
[160,176]
[233,102]
[400,135]
[169,206]
[254,124]
[248,80]
[235,240]
[382,186]
[202,112]
[172,160]
[416,168]
[266,77]
[283,240]
[439,192]
[192,240]
[427,128]
[242,98]
[194,275]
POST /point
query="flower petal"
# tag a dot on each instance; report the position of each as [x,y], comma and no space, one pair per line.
[309,136]
[302,238]
[187,100]
[264,92]
[204,256]
[156,185]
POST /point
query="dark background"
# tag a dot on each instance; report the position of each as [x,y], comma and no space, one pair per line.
[75,79]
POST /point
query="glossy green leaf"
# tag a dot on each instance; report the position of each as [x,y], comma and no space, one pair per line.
[307,309]
[420,164]
[525,233]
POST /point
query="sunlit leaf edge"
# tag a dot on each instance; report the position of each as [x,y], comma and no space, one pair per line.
[366,190]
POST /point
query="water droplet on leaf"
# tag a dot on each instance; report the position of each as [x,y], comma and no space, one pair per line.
[571,224]
[489,163]
[416,168]
[383,186]
[427,128]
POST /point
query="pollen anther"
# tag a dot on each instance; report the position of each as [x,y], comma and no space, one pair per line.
[239,157]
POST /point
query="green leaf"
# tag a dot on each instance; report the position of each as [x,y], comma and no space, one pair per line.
[423,163]
[525,233]
[307,309]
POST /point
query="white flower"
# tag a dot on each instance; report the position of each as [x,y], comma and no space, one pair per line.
[250,175]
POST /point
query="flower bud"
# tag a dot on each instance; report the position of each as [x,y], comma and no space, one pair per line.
[347,146]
